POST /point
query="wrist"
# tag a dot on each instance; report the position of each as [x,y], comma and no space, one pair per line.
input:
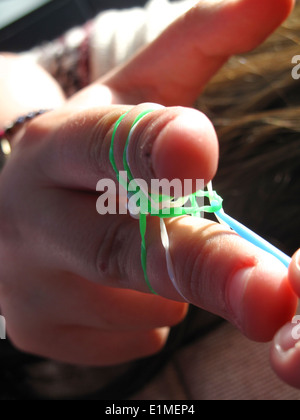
[8,132]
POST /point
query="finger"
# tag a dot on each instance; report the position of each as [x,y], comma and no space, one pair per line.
[285,354]
[86,346]
[66,299]
[171,143]
[87,304]
[175,68]
[75,150]
[220,272]
[214,268]
[106,349]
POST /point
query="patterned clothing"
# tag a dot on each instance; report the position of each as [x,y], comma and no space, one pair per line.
[86,53]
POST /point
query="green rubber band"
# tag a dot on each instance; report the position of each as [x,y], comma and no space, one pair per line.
[111,150]
[164,213]
[125,162]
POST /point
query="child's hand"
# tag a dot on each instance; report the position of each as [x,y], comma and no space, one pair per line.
[64,268]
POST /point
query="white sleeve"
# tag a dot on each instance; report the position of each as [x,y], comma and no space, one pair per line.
[119,34]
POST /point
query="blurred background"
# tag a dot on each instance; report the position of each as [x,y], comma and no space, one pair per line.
[26,23]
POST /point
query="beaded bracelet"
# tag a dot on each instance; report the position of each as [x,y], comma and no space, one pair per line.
[175,209]
[12,128]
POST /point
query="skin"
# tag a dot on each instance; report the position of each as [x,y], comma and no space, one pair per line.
[285,350]
[71,276]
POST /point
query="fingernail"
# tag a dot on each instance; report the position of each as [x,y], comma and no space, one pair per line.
[285,341]
[236,293]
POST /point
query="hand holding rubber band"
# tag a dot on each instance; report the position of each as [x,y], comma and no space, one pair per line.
[165,207]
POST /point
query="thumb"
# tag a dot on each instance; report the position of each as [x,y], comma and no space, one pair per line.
[171,143]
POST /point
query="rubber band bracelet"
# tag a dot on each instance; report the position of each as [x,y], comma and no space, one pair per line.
[12,128]
[169,209]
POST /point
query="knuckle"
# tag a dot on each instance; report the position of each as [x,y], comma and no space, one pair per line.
[200,277]
[207,284]
[114,254]
[142,142]
[100,142]
[192,273]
